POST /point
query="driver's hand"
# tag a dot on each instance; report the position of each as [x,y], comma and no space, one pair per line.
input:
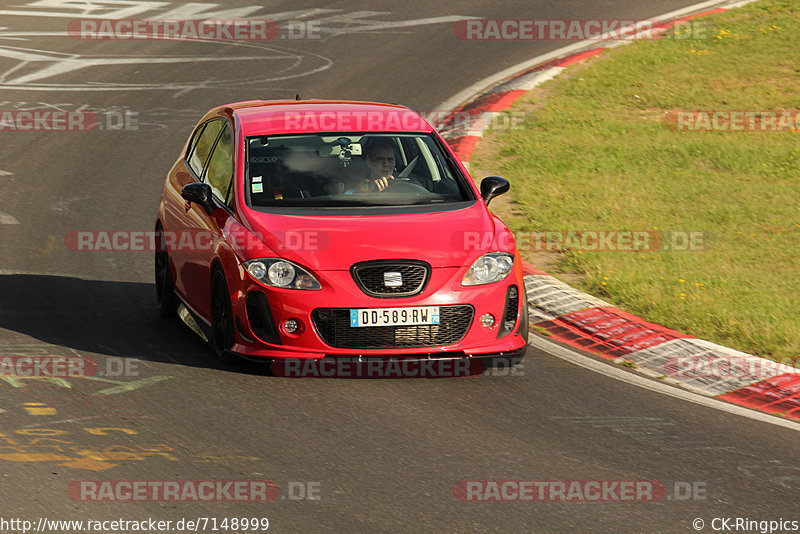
[382,183]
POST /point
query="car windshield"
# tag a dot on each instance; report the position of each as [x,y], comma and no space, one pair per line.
[347,170]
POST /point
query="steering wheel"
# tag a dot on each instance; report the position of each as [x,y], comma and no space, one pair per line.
[405,185]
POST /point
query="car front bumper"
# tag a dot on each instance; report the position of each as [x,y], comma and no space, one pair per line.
[260,313]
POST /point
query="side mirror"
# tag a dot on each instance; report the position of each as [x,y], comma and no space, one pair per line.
[199,194]
[493,186]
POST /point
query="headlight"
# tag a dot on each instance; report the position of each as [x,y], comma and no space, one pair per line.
[275,272]
[489,268]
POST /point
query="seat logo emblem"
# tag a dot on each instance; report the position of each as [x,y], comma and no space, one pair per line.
[392,279]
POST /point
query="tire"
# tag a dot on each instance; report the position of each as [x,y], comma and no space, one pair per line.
[222,327]
[165,286]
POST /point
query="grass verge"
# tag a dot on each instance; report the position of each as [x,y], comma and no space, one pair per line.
[595,153]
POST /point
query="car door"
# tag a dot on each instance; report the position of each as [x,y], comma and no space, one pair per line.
[210,162]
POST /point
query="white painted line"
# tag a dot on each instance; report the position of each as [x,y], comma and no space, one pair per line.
[487,118]
[780,368]
[554,297]
[72,64]
[391,25]
[74,420]
[5,218]
[11,272]
[458,133]
[624,376]
[61,63]
[705,367]
[534,79]
[6,173]
[479,87]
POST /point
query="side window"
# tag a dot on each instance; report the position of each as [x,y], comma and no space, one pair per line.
[425,166]
[220,166]
[195,138]
[203,145]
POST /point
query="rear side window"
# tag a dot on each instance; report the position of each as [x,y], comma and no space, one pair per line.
[203,145]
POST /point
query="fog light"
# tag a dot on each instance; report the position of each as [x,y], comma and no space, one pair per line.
[291,326]
[487,320]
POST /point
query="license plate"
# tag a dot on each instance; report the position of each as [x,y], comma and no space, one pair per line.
[418,315]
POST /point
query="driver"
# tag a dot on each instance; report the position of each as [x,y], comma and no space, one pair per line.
[380,165]
[379,160]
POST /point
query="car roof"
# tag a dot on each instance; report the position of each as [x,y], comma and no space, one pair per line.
[270,117]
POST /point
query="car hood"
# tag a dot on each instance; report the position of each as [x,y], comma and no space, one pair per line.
[447,238]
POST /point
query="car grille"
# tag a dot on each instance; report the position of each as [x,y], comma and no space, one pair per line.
[333,325]
[372,277]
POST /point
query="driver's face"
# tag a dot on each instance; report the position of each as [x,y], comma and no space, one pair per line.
[380,162]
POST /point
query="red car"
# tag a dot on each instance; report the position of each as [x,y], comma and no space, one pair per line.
[320,229]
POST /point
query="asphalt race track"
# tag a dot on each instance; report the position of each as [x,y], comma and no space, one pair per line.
[348,455]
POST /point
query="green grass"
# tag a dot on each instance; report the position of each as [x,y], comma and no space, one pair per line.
[541,330]
[594,153]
